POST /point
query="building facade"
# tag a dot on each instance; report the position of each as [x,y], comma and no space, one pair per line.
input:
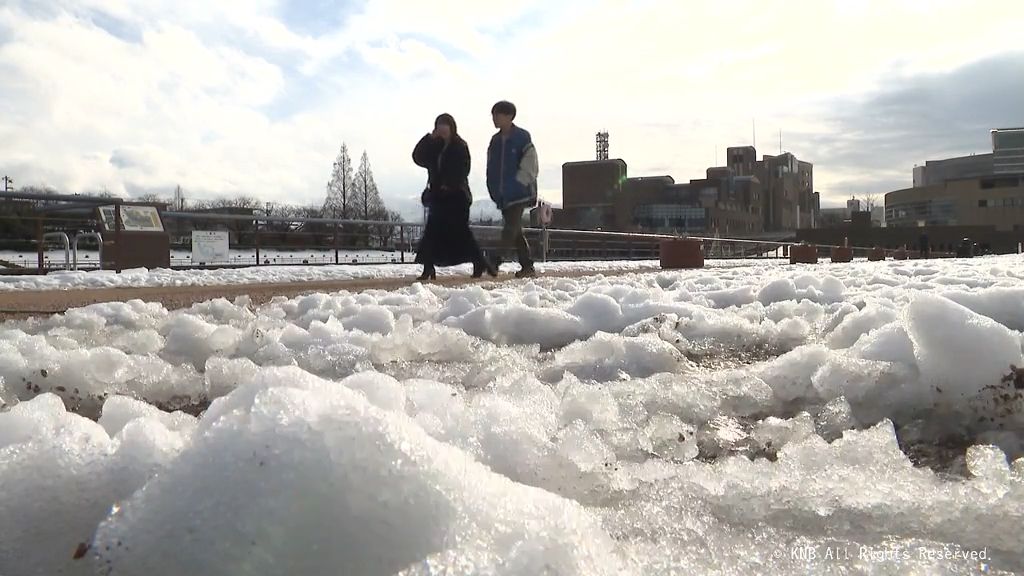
[590,191]
[747,196]
[996,201]
[1008,151]
[788,200]
[938,171]
[979,190]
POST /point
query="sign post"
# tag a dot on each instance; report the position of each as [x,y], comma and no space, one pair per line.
[209,247]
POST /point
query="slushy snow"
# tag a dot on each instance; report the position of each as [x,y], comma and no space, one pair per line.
[748,419]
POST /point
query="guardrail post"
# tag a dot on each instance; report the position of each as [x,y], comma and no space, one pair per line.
[256,238]
[336,259]
[401,241]
[39,243]
[117,237]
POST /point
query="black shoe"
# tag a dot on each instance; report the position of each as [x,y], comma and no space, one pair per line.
[428,273]
[484,265]
[526,272]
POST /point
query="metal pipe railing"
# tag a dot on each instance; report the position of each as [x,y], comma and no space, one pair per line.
[64,240]
[74,247]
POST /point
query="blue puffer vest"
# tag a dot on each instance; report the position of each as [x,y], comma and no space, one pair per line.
[503,160]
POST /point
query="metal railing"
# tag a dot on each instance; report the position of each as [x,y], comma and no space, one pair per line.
[355,241]
[74,247]
[64,240]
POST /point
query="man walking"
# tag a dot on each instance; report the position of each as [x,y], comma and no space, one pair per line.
[512,169]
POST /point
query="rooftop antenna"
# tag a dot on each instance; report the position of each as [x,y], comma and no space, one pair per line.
[602,145]
[753,123]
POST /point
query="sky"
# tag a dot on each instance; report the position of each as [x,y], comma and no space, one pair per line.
[255,97]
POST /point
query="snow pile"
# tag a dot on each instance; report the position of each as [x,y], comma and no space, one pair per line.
[352,489]
[725,420]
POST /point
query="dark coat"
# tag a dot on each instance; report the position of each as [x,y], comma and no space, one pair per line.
[447,238]
[447,168]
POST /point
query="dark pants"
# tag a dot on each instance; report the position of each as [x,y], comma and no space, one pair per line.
[512,236]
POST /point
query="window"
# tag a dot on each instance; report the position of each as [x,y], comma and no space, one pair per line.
[982,203]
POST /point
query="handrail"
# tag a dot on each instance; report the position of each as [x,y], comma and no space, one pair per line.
[67,246]
[65,198]
[99,242]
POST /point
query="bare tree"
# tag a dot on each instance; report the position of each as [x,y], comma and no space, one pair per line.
[152,198]
[366,198]
[339,188]
[870,201]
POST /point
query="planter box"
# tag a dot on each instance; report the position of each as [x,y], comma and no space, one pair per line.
[803,254]
[679,253]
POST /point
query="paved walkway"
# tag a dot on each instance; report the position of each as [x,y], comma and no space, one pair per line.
[26,303]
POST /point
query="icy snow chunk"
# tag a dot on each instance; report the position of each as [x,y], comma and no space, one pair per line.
[608,357]
[854,325]
[777,291]
[118,411]
[60,474]
[521,325]
[834,418]
[371,319]
[875,449]
[732,297]
[582,446]
[671,438]
[381,390]
[773,433]
[146,341]
[723,434]
[354,489]
[987,462]
[1002,304]
[192,339]
[593,405]
[222,375]
[789,375]
[957,349]
[839,314]
[889,343]
[598,312]
[832,288]
[789,333]
[855,378]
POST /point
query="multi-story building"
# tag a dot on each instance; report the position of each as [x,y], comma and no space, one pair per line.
[589,192]
[939,171]
[720,204]
[732,199]
[788,201]
[978,190]
[1008,151]
[989,201]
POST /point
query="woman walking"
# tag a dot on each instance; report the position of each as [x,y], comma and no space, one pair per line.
[447,239]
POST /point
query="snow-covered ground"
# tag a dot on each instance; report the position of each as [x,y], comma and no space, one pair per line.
[754,419]
[135,278]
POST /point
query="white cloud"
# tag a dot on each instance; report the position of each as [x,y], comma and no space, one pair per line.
[225,98]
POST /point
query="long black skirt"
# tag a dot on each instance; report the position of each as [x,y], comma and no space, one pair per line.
[447,239]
